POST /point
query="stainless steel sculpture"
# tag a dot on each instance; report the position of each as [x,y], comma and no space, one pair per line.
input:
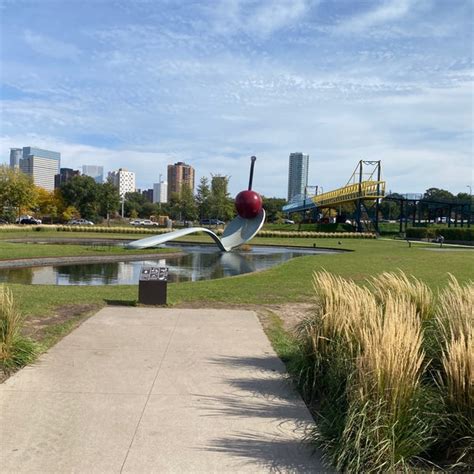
[239,231]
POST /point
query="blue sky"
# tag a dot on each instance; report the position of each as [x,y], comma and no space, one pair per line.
[140,84]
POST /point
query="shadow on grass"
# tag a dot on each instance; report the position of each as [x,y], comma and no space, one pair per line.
[121,302]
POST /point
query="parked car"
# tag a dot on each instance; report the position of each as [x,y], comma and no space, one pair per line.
[3,222]
[288,221]
[80,222]
[146,222]
[28,217]
[30,220]
[211,222]
[149,222]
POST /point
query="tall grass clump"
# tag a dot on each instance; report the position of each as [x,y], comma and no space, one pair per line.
[15,350]
[364,372]
[330,340]
[455,349]
[387,424]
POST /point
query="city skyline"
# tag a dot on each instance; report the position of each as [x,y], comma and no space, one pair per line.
[221,81]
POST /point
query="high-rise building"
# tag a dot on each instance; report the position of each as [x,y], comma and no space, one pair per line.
[123,180]
[148,194]
[160,192]
[41,165]
[219,183]
[297,174]
[16,154]
[65,174]
[96,172]
[179,175]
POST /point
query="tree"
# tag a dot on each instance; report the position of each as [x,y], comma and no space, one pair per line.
[46,203]
[187,204]
[203,198]
[17,190]
[134,203]
[221,204]
[437,194]
[109,199]
[273,208]
[82,192]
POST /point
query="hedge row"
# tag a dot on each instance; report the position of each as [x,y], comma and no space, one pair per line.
[462,234]
[154,231]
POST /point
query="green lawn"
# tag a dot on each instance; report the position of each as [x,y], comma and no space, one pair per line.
[9,250]
[288,282]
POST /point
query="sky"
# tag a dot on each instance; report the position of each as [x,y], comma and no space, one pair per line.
[141,84]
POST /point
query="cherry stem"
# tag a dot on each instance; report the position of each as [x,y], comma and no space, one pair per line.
[253,159]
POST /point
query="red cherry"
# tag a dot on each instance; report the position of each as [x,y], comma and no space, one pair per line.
[248,204]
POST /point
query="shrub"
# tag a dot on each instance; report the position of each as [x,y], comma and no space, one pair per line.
[15,350]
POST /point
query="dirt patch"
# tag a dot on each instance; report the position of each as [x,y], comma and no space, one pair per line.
[36,328]
[289,313]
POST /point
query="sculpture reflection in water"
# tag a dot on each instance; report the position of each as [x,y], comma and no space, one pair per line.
[239,231]
[198,263]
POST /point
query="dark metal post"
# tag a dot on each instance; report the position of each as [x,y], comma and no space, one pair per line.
[252,159]
[448,218]
[377,202]
[359,201]
[401,216]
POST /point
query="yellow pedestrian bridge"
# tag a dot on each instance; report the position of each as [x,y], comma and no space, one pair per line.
[366,190]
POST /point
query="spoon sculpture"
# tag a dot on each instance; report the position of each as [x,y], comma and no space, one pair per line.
[240,230]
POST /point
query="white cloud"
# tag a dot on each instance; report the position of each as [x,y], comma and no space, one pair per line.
[387,12]
[258,17]
[53,48]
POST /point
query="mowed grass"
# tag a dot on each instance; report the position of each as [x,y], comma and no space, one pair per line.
[10,250]
[289,282]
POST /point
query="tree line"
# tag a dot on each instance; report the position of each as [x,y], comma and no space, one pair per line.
[82,197]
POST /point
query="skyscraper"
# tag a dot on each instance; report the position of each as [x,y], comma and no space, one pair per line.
[16,154]
[123,180]
[41,165]
[96,172]
[160,192]
[179,175]
[65,174]
[297,174]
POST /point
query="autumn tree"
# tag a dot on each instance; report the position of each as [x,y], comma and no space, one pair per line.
[17,191]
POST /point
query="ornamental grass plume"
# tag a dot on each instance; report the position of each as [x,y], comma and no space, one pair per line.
[398,284]
[15,350]
[386,426]
[455,348]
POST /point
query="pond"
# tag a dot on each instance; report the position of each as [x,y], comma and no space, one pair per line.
[198,263]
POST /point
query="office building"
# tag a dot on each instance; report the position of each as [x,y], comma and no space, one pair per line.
[160,192]
[219,183]
[179,175]
[148,194]
[65,174]
[123,180]
[297,175]
[41,165]
[96,172]
[16,154]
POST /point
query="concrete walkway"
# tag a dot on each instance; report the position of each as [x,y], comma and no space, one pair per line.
[156,390]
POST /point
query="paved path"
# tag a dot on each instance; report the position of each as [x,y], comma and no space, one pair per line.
[156,390]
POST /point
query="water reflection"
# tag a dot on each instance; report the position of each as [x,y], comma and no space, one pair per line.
[199,263]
